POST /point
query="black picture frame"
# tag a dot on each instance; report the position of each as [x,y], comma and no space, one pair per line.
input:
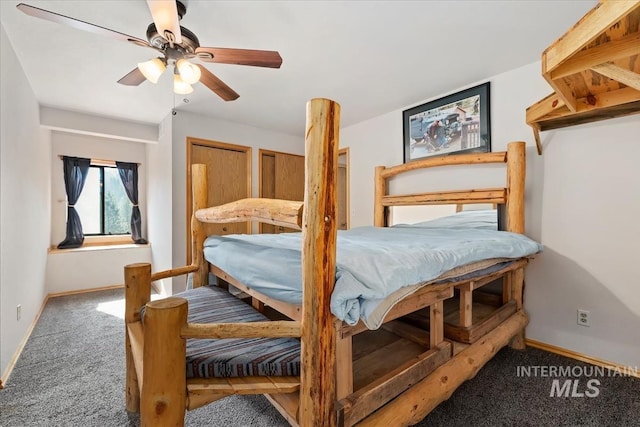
[455,124]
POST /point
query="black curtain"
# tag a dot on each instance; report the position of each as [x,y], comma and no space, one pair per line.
[129,176]
[75,173]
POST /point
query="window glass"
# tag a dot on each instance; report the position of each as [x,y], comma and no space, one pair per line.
[103,206]
[117,207]
[88,204]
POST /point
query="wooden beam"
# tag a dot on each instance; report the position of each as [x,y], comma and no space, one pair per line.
[372,396]
[426,296]
[408,331]
[284,213]
[536,137]
[165,274]
[564,92]
[517,294]
[414,404]
[137,282]
[516,171]
[380,192]
[288,404]
[344,363]
[206,390]
[543,107]
[436,324]
[466,304]
[280,329]
[595,22]
[610,51]
[620,74]
[318,347]
[481,327]
[198,231]
[489,195]
[602,106]
[164,392]
[455,159]
[506,288]
[135,334]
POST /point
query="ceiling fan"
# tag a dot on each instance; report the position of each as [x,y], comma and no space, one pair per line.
[177,45]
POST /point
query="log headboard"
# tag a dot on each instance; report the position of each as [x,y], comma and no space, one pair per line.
[511,196]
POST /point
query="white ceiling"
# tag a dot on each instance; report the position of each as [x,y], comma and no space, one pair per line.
[371,56]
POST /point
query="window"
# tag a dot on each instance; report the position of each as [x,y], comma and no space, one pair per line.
[103,206]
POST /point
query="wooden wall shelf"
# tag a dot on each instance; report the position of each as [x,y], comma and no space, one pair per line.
[594,70]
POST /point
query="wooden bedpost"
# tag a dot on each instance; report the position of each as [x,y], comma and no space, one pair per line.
[318,348]
[137,282]
[380,192]
[164,388]
[198,232]
[516,169]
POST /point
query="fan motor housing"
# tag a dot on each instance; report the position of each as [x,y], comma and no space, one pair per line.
[189,43]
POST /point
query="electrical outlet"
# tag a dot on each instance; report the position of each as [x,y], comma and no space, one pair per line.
[18,312]
[584,318]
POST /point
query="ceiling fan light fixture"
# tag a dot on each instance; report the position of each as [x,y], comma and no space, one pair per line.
[190,73]
[152,69]
[180,86]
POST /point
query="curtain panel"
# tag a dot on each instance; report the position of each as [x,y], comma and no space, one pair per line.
[75,174]
[129,176]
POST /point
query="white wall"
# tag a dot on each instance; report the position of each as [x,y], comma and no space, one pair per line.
[159,202]
[590,227]
[99,267]
[90,124]
[193,125]
[82,269]
[25,217]
[583,205]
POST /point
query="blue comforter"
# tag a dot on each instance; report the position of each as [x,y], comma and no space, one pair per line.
[373,263]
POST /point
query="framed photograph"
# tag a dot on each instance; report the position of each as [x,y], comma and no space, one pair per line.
[456,124]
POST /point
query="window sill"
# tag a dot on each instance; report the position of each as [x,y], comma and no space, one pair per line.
[98,247]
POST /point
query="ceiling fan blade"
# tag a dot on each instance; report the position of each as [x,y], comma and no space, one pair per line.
[256,58]
[165,16]
[219,87]
[133,78]
[78,24]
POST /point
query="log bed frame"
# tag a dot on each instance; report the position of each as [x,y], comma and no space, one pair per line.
[330,390]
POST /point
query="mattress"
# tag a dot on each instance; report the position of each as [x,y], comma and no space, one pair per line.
[375,267]
[482,218]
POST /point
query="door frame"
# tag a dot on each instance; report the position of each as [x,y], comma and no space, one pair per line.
[262,152]
[345,151]
[191,141]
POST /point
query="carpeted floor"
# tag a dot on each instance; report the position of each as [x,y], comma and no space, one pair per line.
[71,373]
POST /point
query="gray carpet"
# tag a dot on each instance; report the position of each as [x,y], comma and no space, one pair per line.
[71,373]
